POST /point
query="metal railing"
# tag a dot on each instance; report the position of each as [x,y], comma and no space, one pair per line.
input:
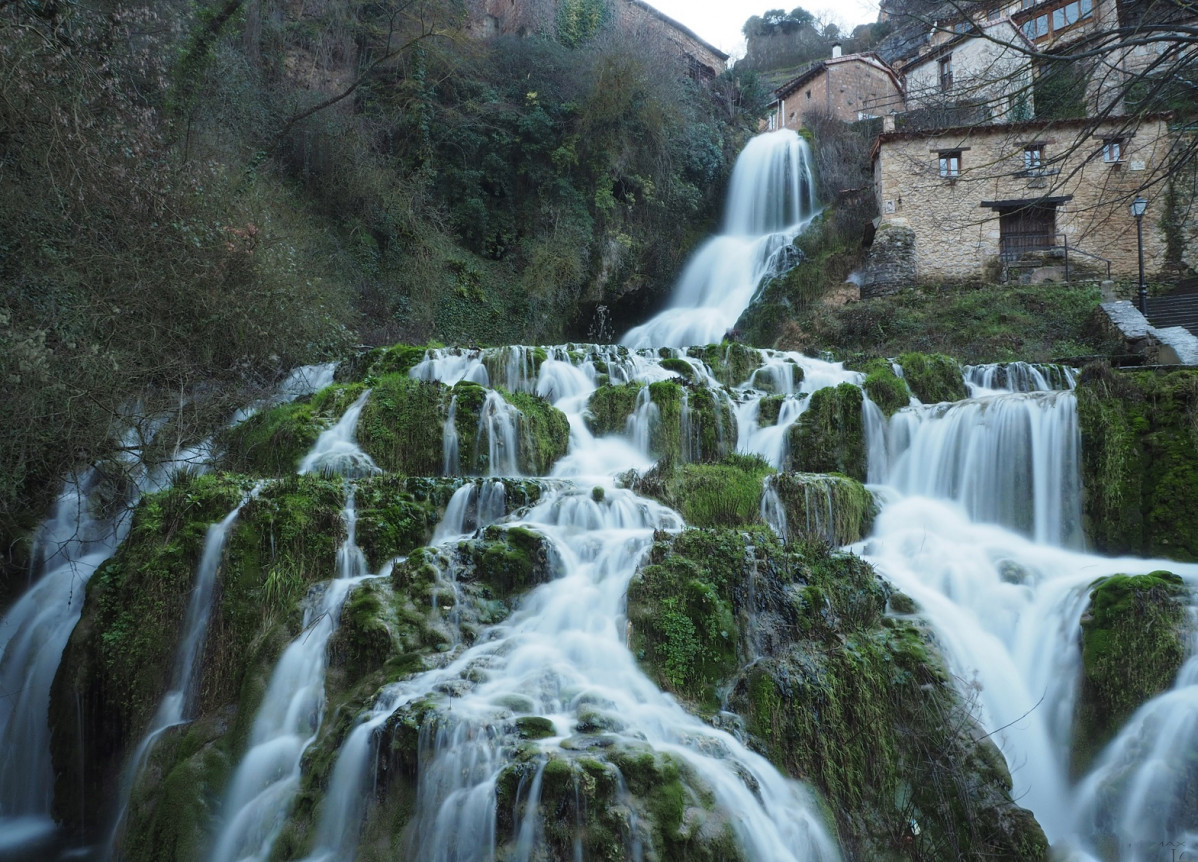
[1013,246]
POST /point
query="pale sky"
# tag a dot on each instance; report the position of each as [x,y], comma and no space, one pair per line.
[719,21]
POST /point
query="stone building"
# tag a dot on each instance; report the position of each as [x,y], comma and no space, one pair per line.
[986,67]
[960,202]
[490,18]
[849,87]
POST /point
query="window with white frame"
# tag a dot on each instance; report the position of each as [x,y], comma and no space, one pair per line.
[1113,150]
[946,73]
[1033,157]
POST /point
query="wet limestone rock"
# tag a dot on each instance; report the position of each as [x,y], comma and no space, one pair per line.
[830,435]
[1133,640]
[856,703]
[837,509]
[933,377]
[1139,433]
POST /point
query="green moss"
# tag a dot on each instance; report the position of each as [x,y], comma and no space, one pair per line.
[731,363]
[830,435]
[509,560]
[1133,644]
[535,727]
[610,406]
[725,494]
[679,366]
[933,377]
[396,515]
[399,359]
[680,605]
[834,508]
[768,410]
[272,442]
[1139,458]
[544,433]
[401,425]
[885,388]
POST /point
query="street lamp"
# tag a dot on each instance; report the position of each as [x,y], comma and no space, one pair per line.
[1138,206]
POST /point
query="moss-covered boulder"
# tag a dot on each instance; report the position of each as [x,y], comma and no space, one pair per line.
[680,605]
[884,387]
[119,661]
[274,441]
[401,425]
[853,702]
[724,494]
[543,432]
[685,422]
[933,377]
[830,435]
[1139,457]
[835,508]
[509,560]
[730,362]
[1134,640]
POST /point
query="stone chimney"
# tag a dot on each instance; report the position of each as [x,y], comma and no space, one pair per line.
[887,123]
[836,50]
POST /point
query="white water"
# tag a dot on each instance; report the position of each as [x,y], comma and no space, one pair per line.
[771,199]
[267,779]
[336,450]
[177,705]
[69,548]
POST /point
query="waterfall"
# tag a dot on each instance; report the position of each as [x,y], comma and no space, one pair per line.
[267,779]
[771,198]
[177,705]
[69,547]
[497,424]
[336,450]
[450,463]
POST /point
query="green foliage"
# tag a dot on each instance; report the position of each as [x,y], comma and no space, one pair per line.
[544,433]
[884,387]
[730,362]
[723,494]
[830,435]
[1134,640]
[400,426]
[933,378]
[1139,458]
[818,507]
[976,324]
[274,441]
[579,21]
[680,605]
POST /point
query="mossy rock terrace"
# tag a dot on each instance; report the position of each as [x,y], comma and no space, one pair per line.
[724,494]
[1135,635]
[1139,435]
[885,388]
[933,377]
[830,435]
[688,422]
[852,701]
[835,508]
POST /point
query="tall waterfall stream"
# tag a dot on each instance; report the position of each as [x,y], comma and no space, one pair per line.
[980,524]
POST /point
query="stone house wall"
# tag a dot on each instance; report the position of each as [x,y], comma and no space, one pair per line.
[490,18]
[849,88]
[956,236]
[993,68]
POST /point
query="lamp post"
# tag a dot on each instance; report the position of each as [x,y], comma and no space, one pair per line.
[1138,206]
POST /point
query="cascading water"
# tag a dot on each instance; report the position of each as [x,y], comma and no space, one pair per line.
[771,199]
[264,786]
[70,546]
[980,525]
[177,704]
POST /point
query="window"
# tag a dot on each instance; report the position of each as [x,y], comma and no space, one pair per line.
[1061,18]
[1112,150]
[950,164]
[946,73]
[1033,157]
[1036,28]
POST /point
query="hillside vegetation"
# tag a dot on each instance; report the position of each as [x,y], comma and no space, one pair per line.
[213,192]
